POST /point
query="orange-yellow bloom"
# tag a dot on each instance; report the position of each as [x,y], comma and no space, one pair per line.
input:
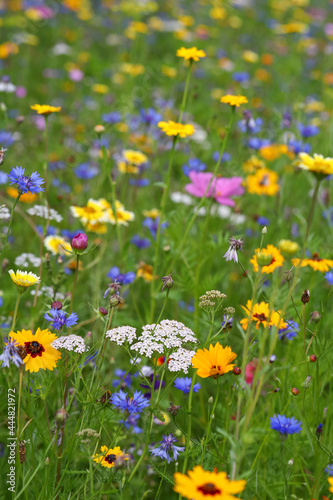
[213,362]
[269,252]
[264,181]
[317,264]
[192,54]
[261,314]
[109,456]
[45,109]
[234,100]
[173,128]
[37,351]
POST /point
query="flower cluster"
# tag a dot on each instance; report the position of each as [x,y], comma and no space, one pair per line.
[122,334]
[70,343]
[45,213]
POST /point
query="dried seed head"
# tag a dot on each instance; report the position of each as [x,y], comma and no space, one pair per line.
[167,282]
[288,275]
[305,297]
[115,300]
[173,409]
[315,316]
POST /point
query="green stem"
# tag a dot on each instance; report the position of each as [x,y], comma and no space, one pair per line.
[2,253]
[162,479]
[187,84]
[19,402]
[75,280]
[210,421]
[311,213]
[18,298]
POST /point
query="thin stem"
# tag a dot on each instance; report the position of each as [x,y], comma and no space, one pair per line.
[313,204]
[162,479]
[75,280]
[187,84]
[210,421]
[2,253]
[18,298]
[303,321]
[19,401]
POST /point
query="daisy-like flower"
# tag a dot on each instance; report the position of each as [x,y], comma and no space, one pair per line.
[262,315]
[130,161]
[200,484]
[58,319]
[285,425]
[25,183]
[98,212]
[24,278]
[264,181]
[10,353]
[131,405]
[271,257]
[191,54]
[235,245]
[213,362]
[45,109]
[330,480]
[171,128]
[109,456]
[37,350]
[166,446]
[317,264]
[252,164]
[57,244]
[316,164]
[234,100]
[25,197]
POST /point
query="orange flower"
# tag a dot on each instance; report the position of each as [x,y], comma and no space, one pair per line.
[234,100]
[269,252]
[261,314]
[317,264]
[213,362]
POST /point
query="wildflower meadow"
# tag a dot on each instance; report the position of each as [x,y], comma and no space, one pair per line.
[166,249]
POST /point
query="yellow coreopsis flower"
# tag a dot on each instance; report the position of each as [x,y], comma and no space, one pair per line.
[145,271]
[275,259]
[315,262]
[263,181]
[330,480]
[200,484]
[192,54]
[45,109]
[213,362]
[109,456]
[171,128]
[37,350]
[234,100]
[261,314]
[316,164]
[24,278]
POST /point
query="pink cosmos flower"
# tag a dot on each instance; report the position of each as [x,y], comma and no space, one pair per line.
[221,188]
[250,370]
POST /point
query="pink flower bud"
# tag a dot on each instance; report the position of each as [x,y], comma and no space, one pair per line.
[79,242]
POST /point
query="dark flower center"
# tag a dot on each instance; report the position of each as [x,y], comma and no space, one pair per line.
[315,256]
[209,489]
[264,181]
[260,317]
[110,459]
[34,348]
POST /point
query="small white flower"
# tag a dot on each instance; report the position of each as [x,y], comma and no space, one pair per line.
[122,334]
[27,260]
[70,343]
[42,211]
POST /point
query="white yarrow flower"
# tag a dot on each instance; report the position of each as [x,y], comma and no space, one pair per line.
[70,343]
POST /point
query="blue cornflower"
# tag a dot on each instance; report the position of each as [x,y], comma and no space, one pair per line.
[241,76]
[290,332]
[308,130]
[227,322]
[150,116]
[225,156]
[131,423]
[184,384]
[113,117]
[6,138]
[166,446]
[299,147]
[263,221]
[140,242]
[285,425]
[125,382]
[189,307]
[132,405]
[329,278]
[86,171]
[193,164]
[329,469]
[89,359]
[139,182]
[152,225]
[123,279]
[25,183]
[10,353]
[3,177]
[250,125]
[61,186]
[256,143]
[59,319]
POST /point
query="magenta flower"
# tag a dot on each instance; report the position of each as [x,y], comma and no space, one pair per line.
[221,188]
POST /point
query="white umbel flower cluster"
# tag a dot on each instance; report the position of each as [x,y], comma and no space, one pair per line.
[4,212]
[42,211]
[167,335]
[27,260]
[180,360]
[70,343]
[122,334]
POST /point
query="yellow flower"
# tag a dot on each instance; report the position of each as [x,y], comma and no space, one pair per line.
[145,271]
[272,152]
[234,100]
[200,484]
[172,128]
[23,278]
[271,252]
[57,245]
[317,264]
[94,212]
[262,315]
[316,164]
[288,247]
[132,69]
[25,197]
[8,48]
[169,71]
[100,88]
[45,109]
[131,160]
[330,480]
[264,181]
[109,456]
[250,56]
[153,213]
[37,349]
[213,362]
[252,164]
[123,216]
[192,54]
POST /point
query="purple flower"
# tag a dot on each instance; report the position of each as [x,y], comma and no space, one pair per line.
[131,423]
[184,385]
[227,322]
[290,331]
[329,278]
[123,279]
[235,245]
[132,405]
[10,353]
[152,225]
[113,117]
[59,319]
[193,164]
[126,381]
[166,446]
[86,171]
[140,242]
[285,425]
[220,188]
[79,242]
[150,116]
[308,130]
[6,138]
[25,183]
[329,470]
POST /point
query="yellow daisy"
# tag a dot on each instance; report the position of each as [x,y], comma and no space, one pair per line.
[45,109]
[57,245]
[171,128]
[252,164]
[288,247]
[94,212]
[234,100]
[109,456]
[316,164]
[200,484]
[272,152]
[131,161]
[317,264]
[269,252]
[213,362]
[37,351]
[264,181]
[192,54]
[262,315]
[123,216]
[330,480]
[23,278]
[153,213]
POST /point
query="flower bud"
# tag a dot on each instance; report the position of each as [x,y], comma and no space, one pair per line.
[294,391]
[315,316]
[288,248]
[56,305]
[313,358]
[264,259]
[103,311]
[47,461]
[264,230]
[79,242]
[307,382]
[288,275]
[210,400]
[236,370]
[305,297]
[115,300]
[167,282]
[61,416]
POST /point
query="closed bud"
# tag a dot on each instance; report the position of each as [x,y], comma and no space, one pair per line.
[288,275]
[307,382]
[47,461]
[103,311]
[61,416]
[56,305]
[288,248]
[264,259]
[315,316]
[236,370]
[313,358]
[115,300]
[79,242]
[305,297]
[294,391]
[211,400]
[264,230]
[167,282]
